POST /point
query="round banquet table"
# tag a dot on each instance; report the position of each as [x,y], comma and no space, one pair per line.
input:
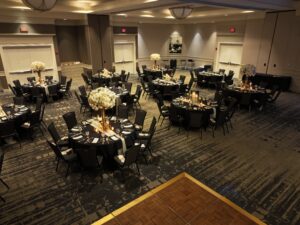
[27,88]
[153,73]
[17,113]
[182,109]
[166,88]
[121,92]
[206,78]
[246,97]
[104,80]
[86,135]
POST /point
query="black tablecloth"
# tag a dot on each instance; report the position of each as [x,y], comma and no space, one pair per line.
[240,94]
[283,82]
[104,81]
[153,73]
[105,145]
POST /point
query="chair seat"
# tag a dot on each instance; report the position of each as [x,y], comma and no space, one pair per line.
[63,143]
[120,159]
[67,151]
[70,157]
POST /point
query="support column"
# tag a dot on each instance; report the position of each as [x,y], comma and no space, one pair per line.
[100,42]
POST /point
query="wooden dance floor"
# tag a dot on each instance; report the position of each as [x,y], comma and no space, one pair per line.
[181,200]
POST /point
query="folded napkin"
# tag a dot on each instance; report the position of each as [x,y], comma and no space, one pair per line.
[75,129]
[114,138]
[64,138]
[67,152]
[124,120]
[78,137]
[4,118]
[95,140]
[121,158]
[125,132]
[18,114]
[23,109]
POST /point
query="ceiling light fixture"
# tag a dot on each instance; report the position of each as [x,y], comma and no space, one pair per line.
[148,16]
[169,17]
[40,5]
[181,12]
[248,11]
[21,7]
[147,1]
[121,14]
[83,11]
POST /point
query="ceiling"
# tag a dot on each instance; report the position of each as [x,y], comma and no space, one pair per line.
[139,10]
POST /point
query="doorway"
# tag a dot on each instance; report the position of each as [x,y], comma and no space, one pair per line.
[229,57]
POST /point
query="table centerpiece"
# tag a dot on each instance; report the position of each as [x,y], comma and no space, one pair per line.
[155,57]
[100,100]
[38,67]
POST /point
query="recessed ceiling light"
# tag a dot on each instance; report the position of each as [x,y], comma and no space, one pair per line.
[169,17]
[149,16]
[83,11]
[146,12]
[146,1]
[21,7]
[65,19]
[121,14]
[248,11]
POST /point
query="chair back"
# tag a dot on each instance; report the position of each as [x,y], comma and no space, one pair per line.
[82,90]
[138,95]
[63,80]
[128,86]
[42,111]
[221,117]
[189,87]
[34,117]
[77,96]
[53,132]
[153,125]
[140,116]
[19,100]
[31,79]
[87,155]
[245,99]
[70,119]
[68,86]
[56,150]
[143,68]
[7,128]
[35,91]
[192,74]
[221,71]
[38,104]
[123,72]
[123,112]
[1,160]
[84,100]
[127,77]
[49,78]
[131,155]
[137,90]
[52,89]
[12,90]
[182,79]
[17,83]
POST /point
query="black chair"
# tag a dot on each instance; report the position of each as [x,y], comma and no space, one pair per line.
[42,112]
[89,157]
[82,90]
[68,156]
[221,71]
[36,93]
[87,81]
[31,79]
[140,116]
[275,92]
[13,90]
[195,121]
[85,103]
[52,92]
[128,86]
[17,83]
[58,140]
[136,97]
[122,112]
[175,118]
[163,112]
[245,100]
[182,78]
[66,91]
[131,157]
[19,100]
[219,121]
[145,88]
[145,135]
[70,119]
[2,181]
[127,77]
[141,75]
[49,78]
[38,104]
[63,81]
[231,107]
[8,129]
[34,121]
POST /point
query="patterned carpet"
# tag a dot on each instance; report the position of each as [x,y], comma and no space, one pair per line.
[256,166]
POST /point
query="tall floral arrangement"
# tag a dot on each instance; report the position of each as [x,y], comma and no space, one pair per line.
[105,73]
[38,67]
[155,57]
[102,98]
[249,70]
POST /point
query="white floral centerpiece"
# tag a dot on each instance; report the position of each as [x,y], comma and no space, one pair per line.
[249,70]
[155,57]
[101,99]
[167,77]
[105,73]
[38,67]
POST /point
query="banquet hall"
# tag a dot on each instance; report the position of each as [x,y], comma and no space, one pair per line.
[150,112]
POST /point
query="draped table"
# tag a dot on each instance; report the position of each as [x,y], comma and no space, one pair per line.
[165,87]
[204,78]
[183,106]
[109,143]
[105,80]
[27,88]
[17,113]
